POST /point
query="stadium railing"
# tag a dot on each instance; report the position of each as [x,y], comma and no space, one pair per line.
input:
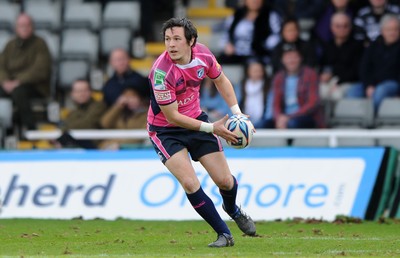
[333,135]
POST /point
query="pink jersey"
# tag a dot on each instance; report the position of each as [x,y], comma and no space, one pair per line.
[173,82]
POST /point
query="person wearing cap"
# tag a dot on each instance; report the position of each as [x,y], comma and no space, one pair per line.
[296,97]
[128,112]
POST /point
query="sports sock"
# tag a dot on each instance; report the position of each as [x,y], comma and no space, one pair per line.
[206,209]
[229,198]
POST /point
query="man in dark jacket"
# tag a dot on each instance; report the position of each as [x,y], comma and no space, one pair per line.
[340,60]
[380,65]
[122,78]
[25,70]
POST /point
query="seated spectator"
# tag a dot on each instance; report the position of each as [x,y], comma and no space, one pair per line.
[291,34]
[25,70]
[340,60]
[211,101]
[128,112]
[296,98]
[323,25]
[86,115]
[122,78]
[367,21]
[380,65]
[254,90]
[253,30]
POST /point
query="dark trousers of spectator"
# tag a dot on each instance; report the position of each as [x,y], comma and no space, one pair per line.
[21,97]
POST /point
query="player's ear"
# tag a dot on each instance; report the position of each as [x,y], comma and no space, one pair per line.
[191,42]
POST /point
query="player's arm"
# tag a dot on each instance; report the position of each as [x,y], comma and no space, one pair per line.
[225,88]
[174,117]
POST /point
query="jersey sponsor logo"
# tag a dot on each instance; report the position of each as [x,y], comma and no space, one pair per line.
[186,100]
[159,78]
[200,72]
[162,95]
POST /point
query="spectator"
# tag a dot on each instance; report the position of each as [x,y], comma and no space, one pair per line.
[380,65]
[87,112]
[340,60]
[291,34]
[253,30]
[122,78]
[128,112]
[211,101]
[86,115]
[323,27]
[25,70]
[367,21]
[300,9]
[296,99]
[254,90]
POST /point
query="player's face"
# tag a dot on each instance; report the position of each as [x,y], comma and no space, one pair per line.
[176,45]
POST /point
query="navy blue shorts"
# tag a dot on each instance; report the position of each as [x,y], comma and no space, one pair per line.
[169,140]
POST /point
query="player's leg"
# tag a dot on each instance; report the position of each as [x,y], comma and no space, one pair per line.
[181,167]
[216,165]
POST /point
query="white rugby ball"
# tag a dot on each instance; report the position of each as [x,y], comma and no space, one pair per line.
[243,128]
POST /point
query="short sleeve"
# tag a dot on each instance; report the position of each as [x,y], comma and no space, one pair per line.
[214,68]
[162,86]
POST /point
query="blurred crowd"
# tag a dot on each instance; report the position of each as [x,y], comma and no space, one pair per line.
[299,57]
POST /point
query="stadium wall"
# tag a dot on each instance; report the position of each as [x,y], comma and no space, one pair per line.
[274,183]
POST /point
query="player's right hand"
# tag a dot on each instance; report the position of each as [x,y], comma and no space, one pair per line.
[220,130]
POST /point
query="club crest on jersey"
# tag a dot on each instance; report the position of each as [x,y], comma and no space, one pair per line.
[200,72]
[159,78]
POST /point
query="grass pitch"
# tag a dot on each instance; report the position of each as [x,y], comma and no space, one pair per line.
[128,238]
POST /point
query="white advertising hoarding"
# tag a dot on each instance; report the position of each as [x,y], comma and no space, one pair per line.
[273,184]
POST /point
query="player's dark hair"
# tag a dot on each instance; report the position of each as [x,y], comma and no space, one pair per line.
[189,29]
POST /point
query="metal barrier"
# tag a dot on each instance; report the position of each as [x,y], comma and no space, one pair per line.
[331,134]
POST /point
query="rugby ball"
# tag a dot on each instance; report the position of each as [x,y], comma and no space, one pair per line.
[243,128]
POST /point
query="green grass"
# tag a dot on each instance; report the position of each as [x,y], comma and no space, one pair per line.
[128,238]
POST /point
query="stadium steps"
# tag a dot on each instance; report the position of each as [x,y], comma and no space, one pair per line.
[142,66]
[207,12]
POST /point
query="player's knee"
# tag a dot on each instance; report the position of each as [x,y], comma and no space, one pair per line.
[190,185]
[225,183]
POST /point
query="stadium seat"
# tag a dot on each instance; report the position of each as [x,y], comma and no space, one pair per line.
[269,142]
[111,38]
[8,15]
[356,142]
[122,14]
[80,44]
[389,141]
[5,36]
[388,113]
[45,14]
[310,142]
[70,70]
[353,112]
[53,42]
[82,15]
[6,111]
